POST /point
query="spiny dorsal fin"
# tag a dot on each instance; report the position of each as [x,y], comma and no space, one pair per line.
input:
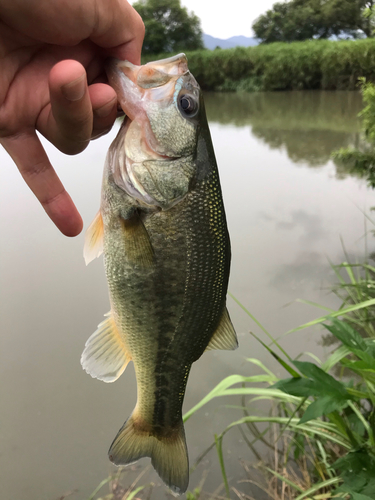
[94,239]
[138,248]
[224,337]
[105,355]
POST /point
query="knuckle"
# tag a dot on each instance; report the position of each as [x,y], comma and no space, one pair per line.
[72,147]
[37,168]
[73,134]
[140,26]
[7,123]
[48,200]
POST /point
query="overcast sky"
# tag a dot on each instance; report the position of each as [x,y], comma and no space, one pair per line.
[224,19]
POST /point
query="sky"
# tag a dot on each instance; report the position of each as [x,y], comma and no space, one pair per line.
[223,19]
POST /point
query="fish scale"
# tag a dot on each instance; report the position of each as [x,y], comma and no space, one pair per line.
[166,250]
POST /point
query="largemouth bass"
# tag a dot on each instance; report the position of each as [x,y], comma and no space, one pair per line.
[163,232]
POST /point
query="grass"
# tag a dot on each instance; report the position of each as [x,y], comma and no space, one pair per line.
[323,428]
[312,64]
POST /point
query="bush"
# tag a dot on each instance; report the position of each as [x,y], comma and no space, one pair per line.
[313,64]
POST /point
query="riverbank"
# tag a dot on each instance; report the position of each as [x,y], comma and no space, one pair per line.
[313,64]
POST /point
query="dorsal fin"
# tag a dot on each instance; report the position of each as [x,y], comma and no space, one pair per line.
[94,239]
[224,337]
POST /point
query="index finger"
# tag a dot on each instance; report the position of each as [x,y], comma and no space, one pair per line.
[119,29]
[32,161]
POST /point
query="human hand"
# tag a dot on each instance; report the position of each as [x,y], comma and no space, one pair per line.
[52,81]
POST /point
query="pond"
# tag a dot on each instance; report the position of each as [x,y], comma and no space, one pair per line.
[289,211]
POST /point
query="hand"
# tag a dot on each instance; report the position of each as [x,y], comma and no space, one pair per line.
[52,80]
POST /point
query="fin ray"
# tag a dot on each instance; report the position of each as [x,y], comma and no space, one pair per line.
[168,453]
[225,337]
[94,239]
[138,246]
[105,356]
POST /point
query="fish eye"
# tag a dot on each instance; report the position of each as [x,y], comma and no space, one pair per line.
[188,105]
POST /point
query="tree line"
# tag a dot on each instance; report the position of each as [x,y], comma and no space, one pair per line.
[298,20]
[170,27]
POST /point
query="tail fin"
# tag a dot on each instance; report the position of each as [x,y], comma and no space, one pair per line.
[168,453]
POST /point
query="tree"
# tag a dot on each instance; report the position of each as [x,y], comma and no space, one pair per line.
[169,26]
[304,19]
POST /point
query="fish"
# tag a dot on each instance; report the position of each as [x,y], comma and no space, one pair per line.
[163,233]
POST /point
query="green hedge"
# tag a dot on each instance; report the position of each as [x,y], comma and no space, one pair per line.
[313,64]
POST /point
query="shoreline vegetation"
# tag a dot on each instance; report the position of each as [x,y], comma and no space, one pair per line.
[307,65]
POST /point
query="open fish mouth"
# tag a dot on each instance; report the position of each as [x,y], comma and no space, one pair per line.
[140,91]
[139,87]
[135,84]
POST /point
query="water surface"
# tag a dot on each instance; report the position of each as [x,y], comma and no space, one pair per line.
[288,208]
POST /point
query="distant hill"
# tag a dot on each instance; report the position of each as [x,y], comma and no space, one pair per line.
[210,42]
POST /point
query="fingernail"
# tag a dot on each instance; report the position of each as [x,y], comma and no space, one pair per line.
[106,109]
[74,91]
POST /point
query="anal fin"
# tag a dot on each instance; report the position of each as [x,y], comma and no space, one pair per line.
[105,356]
[94,239]
[225,336]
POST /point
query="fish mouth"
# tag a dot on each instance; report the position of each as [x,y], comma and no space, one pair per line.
[138,88]
[134,85]
[154,80]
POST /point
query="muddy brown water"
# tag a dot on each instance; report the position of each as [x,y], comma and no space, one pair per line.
[288,208]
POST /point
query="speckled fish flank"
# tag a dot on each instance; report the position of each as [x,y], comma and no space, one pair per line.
[163,233]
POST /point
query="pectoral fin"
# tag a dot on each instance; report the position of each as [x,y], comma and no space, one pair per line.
[224,337]
[94,239]
[138,248]
[105,355]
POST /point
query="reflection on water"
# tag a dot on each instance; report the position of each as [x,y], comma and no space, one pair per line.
[286,110]
[285,220]
[308,125]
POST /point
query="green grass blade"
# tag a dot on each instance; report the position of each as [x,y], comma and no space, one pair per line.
[315,304]
[134,492]
[262,366]
[318,486]
[221,390]
[260,326]
[284,479]
[318,428]
[335,358]
[342,312]
[285,365]
[365,424]
[98,488]
[216,391]
[219,447]
[311,355]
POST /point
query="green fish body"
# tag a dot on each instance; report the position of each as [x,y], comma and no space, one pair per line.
[163,233]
